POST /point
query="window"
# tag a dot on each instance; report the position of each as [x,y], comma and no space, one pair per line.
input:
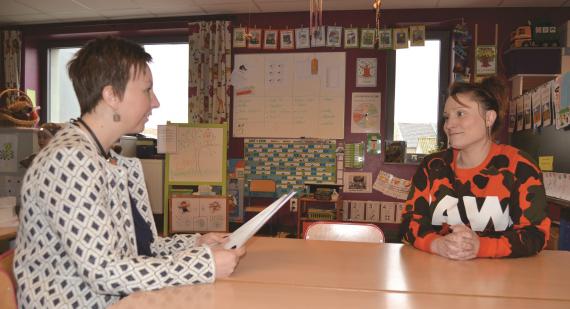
[420,77]
[170,76]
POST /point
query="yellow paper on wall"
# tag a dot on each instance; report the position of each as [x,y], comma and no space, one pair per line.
[32,94]
[546,163]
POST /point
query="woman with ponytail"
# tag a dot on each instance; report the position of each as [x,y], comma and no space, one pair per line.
[478,198]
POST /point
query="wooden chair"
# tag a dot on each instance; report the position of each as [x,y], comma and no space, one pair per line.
[344,231]
[263,187]
[7,281]
[261,194]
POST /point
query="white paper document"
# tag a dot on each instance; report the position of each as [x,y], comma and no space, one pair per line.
[240,236]
[167,135]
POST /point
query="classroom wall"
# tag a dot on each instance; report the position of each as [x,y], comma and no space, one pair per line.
[36,37]
[434,19]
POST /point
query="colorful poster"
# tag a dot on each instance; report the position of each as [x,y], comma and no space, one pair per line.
[365,112]
[546,107]
[354,155]
[374,143]
[527,102]
[366,72]
[563,97]
[536,108]
[392,186]
[486,60]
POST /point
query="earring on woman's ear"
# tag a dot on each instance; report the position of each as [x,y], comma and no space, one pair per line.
[116,117]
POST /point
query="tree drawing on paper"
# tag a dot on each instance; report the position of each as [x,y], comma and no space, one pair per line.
[199,155]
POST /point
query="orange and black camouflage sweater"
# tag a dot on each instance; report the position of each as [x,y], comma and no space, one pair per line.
[502,200]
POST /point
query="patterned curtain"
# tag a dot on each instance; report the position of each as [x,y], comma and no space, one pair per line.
[210,71]
[11,60]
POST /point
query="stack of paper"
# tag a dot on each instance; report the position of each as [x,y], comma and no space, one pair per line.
[240,236]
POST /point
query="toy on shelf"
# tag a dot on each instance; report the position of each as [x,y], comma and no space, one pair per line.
[535,34]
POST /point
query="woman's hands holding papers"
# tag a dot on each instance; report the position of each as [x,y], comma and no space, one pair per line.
[225,260]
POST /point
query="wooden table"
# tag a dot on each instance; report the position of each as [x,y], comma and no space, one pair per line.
[226,294]
[8,233]
[400,268]
[294,273]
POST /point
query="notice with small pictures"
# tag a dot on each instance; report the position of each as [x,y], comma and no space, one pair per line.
[392,186]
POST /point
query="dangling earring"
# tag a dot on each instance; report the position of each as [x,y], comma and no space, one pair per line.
[116,117]
[489,132]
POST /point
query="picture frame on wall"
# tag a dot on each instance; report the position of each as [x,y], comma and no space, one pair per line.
[366,72]
[385,39]
[357,182]
[287,39]
[486,60]
[255,38]
[318,37]
[302,38]
[334,36]
[418,35]
[400,38]
[270,38]
[239,39]
[395,151]
[367,38]
[350,37]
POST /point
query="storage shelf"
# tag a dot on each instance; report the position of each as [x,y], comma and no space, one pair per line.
[557,201]
[313,219]
[306,203]
[525,49]
[533,60]
[372,222]
[522,83]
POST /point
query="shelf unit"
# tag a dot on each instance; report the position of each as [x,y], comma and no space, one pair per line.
[558,201]
[390,230]
[522,83]
[334,208]
[533,60]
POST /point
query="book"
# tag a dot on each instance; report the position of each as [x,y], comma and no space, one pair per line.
[240,236]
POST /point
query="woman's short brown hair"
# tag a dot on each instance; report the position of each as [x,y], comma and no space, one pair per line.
[491,94]
[104,62]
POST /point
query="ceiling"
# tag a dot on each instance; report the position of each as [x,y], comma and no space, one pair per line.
[21,12]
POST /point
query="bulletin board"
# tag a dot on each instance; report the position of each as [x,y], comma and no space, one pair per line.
[290,162]
[289,95]
[199,158]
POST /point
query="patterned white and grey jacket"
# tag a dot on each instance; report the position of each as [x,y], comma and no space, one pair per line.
[76,245]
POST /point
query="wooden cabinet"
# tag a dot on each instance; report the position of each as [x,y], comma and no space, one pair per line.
[311,210]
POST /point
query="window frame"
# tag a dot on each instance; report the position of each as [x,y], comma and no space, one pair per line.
[172,36]
[444,80]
